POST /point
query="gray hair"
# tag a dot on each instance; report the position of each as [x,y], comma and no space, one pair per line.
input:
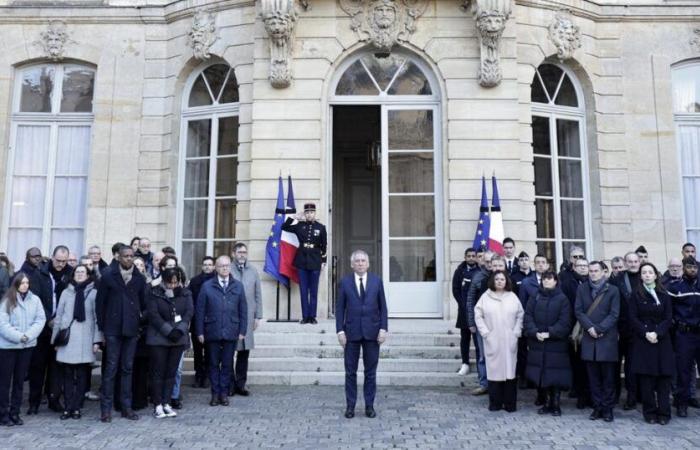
[631,254]
[358,252]
[575,248]
[617,259]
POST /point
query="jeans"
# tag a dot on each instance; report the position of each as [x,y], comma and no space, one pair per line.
[13,370]
[220,363]
[481,361]
[164,364]
[120,355]
[178,377]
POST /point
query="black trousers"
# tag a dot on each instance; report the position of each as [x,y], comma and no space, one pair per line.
[13,370]
[465,337]
[120,356]
[503,395]
[656,393]
[581,385]
[74,382]
[239,376]
[44,373]
[163,366]
[199,350]
[601,376]
[522,357]
[624,350]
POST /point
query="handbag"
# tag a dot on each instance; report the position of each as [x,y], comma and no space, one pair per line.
[577,332]
[63,336]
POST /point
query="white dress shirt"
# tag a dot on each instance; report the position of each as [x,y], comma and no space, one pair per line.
[357,283]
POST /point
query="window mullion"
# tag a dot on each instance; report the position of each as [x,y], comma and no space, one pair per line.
[57,90]
[50,184]
[213,152]
[554,149]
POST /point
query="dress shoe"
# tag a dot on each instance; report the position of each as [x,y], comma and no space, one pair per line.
[214,400]
[176,403]
[313,321]
[65,415]
[682,411]
[370,412]
[243,392]
[511,409]
[480,391]
[608,416]
[541,398]
[303,321]
[544,410]
[555,403]
[76,415]
[694,403]
[106,417]
[33,410]
[16,419]
[223,400]
[580,403]
[495,408]
[595,415]
[232,391]
[663,420]
[130,414]
[349,413]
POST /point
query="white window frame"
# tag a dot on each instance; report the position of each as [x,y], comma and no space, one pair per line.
[212,113]
[553,112]
[53,120]
[684,119]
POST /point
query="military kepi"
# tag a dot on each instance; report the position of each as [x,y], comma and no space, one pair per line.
[309,207]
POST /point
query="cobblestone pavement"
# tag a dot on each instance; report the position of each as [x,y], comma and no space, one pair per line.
[311,417]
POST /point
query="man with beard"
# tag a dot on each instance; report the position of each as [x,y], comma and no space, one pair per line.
[31,262]
[461,281]
[48,282]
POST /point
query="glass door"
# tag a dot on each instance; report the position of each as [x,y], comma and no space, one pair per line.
[411,253]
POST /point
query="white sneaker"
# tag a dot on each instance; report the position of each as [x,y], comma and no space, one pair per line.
[168,410]
[158,412]
[464,369]
[93,397]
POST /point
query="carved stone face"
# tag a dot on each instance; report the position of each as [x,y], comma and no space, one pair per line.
[277,27]
[54,43]
[384,15]
[491,23]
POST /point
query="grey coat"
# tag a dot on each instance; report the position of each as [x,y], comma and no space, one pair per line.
[604,319]
[253,294]
[82,334]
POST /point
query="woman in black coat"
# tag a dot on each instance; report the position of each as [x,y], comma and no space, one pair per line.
[170,311]
[653,361]
[547,326]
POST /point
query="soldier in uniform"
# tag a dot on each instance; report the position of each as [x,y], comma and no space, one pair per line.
[309,258]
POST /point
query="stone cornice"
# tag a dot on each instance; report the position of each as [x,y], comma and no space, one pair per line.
[632,11]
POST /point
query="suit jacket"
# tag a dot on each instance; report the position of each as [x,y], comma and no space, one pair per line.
[221,315]
[361,318]
[121,308]
[604,319]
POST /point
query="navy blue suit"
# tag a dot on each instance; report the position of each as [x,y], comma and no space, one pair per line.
[361,318]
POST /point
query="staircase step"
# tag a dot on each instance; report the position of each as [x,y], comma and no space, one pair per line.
[286,351]
[398,339]
[338,378]
[396,326]
[338,365]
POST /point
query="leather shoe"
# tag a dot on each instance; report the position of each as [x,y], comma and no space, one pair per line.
[16,419]
[223,400]
[595,415]
[76,415]
[682,411]
[130,414]
[303,321]
[33,410]
[608,416]
[214,400]
[232,392]
[349,413]
[176,403]
[694,403]
[65,415]
[370,412]
[313,321]
[244,392]
[6,422]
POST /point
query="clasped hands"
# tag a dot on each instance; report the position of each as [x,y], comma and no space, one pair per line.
[594,334]
[542,336]
[652,337]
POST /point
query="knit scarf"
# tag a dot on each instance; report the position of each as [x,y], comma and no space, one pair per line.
[79,305]
[126,273]
[596,286]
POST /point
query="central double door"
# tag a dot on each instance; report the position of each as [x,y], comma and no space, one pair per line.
[386,201]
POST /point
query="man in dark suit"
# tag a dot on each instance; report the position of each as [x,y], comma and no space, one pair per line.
[509,256]
[361,322]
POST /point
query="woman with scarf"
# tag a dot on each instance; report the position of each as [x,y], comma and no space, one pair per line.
[76,311]
[499,317]
[170,310]
[653,360]
[547,326]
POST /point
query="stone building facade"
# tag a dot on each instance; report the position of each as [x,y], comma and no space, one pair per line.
[174,120]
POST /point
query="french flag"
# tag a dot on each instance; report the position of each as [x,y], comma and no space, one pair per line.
[289,242]
[496,233]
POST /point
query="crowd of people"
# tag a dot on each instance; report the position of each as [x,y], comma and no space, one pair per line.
[58,313]
[590,329]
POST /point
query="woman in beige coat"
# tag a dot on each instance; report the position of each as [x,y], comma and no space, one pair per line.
[499,318]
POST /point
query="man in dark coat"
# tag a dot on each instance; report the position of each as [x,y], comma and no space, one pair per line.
[627,283]
[547,326]
[121,308]
[567,269]
[310,257]
[461,280]
[221,319]
[201,372]
[517,278]
[509,256]
[31,263]
[570,287]
[686,316]
[48,282]
[361,321]
[598,309]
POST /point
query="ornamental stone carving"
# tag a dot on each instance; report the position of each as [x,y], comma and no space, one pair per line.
[54,39]
[565,35]
[491,17]
[384,23]
[280,17]
[695,40]
[202,34]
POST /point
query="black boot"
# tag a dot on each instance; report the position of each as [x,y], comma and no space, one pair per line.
[554,402]
[542,395]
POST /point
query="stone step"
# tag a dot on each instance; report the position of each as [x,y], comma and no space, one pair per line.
[396,326]
[336,351]
[337,378]
[316,339]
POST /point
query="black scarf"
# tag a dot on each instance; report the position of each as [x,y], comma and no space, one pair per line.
[56,274]
[79,305]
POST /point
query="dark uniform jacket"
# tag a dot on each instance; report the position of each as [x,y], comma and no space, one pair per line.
[461,280]
[528,288]
[121,308]
[685,295]
[312,243]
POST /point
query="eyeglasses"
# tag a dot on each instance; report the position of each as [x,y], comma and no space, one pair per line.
[577,256]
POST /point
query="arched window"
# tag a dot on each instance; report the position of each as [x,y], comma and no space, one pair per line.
[561,186]
[686,108]
[208,165]
[46,196]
